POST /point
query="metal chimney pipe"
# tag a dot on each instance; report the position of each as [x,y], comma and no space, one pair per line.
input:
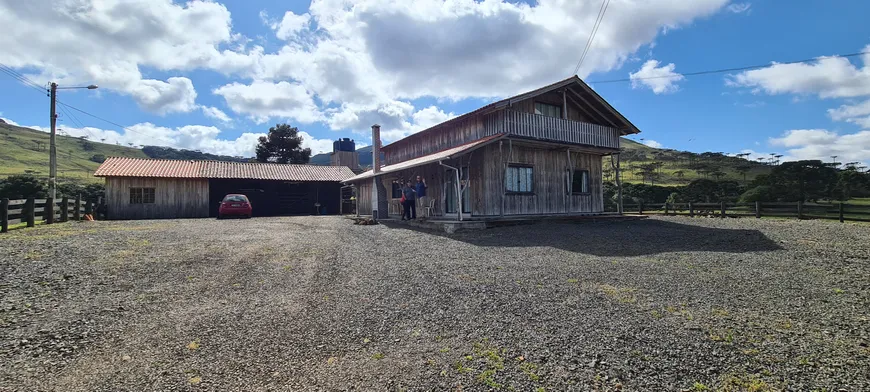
[376,148]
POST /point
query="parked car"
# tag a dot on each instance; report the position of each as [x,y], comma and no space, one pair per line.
[235,205]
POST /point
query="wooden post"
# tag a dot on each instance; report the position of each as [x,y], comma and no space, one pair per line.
[4,215]
[77,209]
[841,212]
[30,214]
[691,210]
[722,213]
[800,209]
[640,207]
[48,211]
[89,209]
[64,209]
[758,209]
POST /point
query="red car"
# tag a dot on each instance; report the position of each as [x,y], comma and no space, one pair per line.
[235,205]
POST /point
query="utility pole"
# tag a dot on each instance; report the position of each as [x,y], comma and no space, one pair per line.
[52,149]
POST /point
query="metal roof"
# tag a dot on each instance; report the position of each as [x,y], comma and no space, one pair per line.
[163,168]
[426,159]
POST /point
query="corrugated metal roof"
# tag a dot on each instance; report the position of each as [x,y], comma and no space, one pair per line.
[134,167]
[426,159]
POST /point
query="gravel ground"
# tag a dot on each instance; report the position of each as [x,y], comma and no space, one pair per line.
[316,303]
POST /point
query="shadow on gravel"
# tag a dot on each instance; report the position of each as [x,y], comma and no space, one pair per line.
[634,238]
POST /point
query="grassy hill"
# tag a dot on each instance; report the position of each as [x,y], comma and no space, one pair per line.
[24,150]
[644,164]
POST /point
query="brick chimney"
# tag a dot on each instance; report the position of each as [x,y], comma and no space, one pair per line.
[376,148]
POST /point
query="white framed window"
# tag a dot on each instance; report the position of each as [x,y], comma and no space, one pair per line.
[548,110]
[519,179]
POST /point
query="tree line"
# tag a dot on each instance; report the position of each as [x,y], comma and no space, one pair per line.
[808,181]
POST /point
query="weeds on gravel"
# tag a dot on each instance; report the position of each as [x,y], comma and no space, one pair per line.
[195,380]
[699,387]
[621,294]
[530,369]
[748,383]
[194,345]
[378,356]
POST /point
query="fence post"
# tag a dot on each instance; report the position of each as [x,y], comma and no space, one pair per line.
[64,209]
[77,212]
[722,213]
[48,211]
[691,210]
[841,212]
[30,215]
[640,208]
[800,209]
[89,208]
[4,215]
[757,209]
[666,209]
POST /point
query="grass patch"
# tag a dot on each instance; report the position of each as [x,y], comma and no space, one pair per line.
[622,294]
[378,356]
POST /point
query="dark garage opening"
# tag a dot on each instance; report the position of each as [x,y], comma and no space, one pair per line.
[276,198]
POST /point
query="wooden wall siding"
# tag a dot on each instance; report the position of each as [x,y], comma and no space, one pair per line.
[174,198]
[550,182]
[434,141]
[364,197]
[556,129]
[552,98]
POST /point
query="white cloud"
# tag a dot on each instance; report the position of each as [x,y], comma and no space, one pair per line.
[265,100]
[857,113]
[661,80]
[827,77]
[652,143]
[190,137]
[215,113]
[822,144]
[739,8]
[290,25]
[108,42]
[175,95]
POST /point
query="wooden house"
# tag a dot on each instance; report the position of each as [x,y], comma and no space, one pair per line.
[157,188]
[538,153]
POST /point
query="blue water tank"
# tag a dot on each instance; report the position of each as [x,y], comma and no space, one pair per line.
[344,144]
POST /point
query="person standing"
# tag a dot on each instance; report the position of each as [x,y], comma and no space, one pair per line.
[421,192]
[410,203]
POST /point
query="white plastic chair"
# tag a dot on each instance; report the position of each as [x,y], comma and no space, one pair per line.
[430,209]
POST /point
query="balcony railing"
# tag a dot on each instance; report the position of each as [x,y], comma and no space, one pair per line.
[559,130]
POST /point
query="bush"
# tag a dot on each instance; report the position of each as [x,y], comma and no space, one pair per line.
[98,158]
[759,193]
[22,186]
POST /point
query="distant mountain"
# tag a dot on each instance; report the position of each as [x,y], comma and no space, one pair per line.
[365,157]
[172,153]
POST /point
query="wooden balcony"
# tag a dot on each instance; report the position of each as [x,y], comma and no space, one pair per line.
[553,129]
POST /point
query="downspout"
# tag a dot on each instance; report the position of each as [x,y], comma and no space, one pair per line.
[615,164]
[458,192]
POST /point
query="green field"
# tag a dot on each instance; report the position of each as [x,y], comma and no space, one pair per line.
[672,167]
[24,150]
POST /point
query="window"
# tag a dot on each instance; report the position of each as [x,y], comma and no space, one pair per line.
[397,189]
[236,198]
[141,195]
[580,181]
[548,110]
[519,179]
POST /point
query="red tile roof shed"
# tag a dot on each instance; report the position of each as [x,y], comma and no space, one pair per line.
[134,167]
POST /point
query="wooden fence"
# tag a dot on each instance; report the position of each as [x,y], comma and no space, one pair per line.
[840,211]
[29,211]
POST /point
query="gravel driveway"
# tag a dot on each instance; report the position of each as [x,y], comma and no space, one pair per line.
[316,303]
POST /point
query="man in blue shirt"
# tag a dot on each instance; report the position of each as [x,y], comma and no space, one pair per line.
[421,193]
[409,204]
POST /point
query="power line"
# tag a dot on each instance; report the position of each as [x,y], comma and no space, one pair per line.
[21,78]
[100,118]
[714,71]
[601,12]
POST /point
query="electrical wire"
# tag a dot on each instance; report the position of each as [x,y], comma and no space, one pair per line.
[601,12]
[714,71]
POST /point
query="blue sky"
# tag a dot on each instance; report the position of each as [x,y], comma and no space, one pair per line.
[214,75]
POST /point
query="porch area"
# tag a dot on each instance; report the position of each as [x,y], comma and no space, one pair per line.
[451,225]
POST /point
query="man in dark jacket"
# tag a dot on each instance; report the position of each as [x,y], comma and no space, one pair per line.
[410,203]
